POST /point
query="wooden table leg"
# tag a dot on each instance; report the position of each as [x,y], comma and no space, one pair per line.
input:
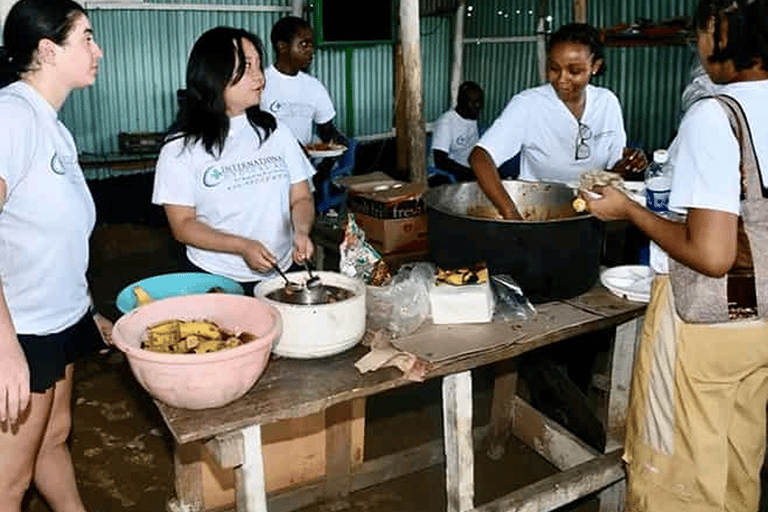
[189,485]
[338,445]
[622,362]
[504,390]
[251,495]
[457,432]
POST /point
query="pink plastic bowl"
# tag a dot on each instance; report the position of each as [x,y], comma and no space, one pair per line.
[200,381]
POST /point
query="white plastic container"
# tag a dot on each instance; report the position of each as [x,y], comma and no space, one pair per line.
[472,303]
[318,330]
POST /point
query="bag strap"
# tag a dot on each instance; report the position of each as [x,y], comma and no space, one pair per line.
[741,129]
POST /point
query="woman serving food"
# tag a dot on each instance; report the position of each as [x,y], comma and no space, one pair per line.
[562,128]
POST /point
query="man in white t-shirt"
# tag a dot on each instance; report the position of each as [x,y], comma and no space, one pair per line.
[295,97]
[456,133]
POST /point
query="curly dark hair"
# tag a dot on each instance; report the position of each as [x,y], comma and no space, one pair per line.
[217,59]
[285,29]
[747,26]
[580,33]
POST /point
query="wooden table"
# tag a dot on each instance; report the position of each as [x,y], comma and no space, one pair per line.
[296,388]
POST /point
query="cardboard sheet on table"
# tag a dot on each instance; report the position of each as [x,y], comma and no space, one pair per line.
[436,344]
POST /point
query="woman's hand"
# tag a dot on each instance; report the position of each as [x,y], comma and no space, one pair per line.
[610,205]
[14,381]
[303,248]
[257,256]
[104,325]
[632,162]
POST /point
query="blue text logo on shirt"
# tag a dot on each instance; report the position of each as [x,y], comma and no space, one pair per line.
[257,170]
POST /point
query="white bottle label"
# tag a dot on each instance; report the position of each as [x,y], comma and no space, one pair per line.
[657,193]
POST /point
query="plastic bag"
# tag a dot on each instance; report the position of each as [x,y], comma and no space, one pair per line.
[357,257]
[511,302]
[402,305]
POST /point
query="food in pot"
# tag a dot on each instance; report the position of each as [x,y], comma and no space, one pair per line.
[192,337]
[484,211]
[323,294]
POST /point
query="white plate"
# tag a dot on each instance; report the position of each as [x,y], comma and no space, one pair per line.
[632,282]
[335,150]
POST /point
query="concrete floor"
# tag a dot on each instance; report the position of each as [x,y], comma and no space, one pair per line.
[122,450]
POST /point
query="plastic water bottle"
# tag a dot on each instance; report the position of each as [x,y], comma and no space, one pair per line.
[658,182]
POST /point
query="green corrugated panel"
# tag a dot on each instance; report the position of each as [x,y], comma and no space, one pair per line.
[372,89]
[500,18]
[436,62]
[145,55]
[330,67]
[502,70]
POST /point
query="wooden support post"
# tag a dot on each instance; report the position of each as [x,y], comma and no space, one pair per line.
[504,389]
[580,11]
[458,51]
[457,435]
[251,494]
[338,443]
[411,41]
[189,487]
[297,7]
[625,344]
[401,126]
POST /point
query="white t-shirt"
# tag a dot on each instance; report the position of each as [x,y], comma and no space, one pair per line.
[47,218]
[705,153]
[297,101]
[456,136]
[539,125]
[245,191]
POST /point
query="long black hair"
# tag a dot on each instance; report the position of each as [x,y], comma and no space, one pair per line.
[580,33]
[217,60]
[27,23]
[747,30]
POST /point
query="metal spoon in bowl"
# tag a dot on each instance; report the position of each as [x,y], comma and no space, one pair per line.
[313,280]
[290,286]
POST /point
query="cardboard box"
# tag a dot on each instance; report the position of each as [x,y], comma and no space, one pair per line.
[382,197]
[394,235]
[293,451]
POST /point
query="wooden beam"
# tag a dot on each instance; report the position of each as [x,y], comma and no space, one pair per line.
[561,488]
[580,11]
[411,41]
[457,435]
[458,51]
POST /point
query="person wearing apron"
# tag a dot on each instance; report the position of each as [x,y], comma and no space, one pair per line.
[696,426]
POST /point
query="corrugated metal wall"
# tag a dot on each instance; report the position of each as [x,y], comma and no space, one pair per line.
[146,52]
[647,80]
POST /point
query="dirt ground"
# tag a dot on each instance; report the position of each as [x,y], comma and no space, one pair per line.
[122,450]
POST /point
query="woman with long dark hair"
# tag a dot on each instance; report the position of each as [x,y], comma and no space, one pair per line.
[234,182]
[697,424]
[46,217]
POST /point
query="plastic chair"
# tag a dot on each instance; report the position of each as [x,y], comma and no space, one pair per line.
[329,194]
[434,171]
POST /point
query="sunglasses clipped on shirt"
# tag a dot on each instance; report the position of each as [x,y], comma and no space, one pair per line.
[585,133]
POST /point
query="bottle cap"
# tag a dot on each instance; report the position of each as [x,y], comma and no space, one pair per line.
[660,156]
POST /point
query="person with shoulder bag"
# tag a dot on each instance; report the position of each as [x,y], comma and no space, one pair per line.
[696,428]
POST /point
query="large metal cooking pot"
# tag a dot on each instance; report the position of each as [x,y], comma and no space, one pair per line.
[554,255]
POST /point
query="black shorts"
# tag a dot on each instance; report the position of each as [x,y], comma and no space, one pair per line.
[48,355]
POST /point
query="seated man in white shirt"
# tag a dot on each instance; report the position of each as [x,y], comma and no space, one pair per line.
[456,133]
[292,95]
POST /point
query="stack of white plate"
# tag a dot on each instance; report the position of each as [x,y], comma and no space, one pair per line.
[631,282]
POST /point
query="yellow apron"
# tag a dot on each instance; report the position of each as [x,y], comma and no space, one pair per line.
[696,424]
